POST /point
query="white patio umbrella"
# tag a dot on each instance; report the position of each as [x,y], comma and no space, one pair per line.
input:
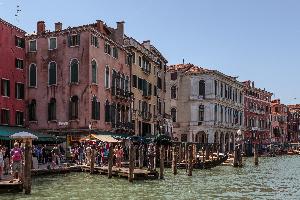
[23,135]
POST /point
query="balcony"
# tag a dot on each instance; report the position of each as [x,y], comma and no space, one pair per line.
[123,125]
[120,93]
[146,71]
[146,116]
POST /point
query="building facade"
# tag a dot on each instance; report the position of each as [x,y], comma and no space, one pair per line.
[12,74]
[293,123]
[78,79]
[257,116]
[206,106]
[148,86]
[279,121]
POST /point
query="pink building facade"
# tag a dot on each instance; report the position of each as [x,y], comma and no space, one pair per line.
[78,79]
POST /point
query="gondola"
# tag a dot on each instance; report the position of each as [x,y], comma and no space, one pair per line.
[208,164]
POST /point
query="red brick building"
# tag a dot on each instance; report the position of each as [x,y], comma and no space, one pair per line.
[257,111]
[293,123]
[279,122]
[12,74]
[79,79]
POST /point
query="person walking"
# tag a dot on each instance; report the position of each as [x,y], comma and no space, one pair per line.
[16,159]
[1,161]
[6,160]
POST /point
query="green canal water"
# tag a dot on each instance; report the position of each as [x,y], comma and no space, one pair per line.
[274,178]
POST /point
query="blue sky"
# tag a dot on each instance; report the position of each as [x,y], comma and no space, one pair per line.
[253,39]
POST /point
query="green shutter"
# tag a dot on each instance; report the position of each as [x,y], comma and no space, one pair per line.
[69,40]
[78,39]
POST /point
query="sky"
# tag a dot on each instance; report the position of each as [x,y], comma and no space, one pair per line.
[256,40]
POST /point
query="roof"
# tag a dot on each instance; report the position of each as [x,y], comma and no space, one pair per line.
[11,26]
[192,69]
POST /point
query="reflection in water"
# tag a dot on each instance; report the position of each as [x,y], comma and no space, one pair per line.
[274,178]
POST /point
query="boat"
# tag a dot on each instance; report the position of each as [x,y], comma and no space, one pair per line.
[208,164]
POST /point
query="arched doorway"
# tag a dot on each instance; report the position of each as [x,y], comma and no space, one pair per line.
[201,137]
[222,148]
[227,142]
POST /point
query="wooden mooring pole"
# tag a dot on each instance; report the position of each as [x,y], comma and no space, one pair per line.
[235,158]
[190,162]
[131,163]
[27,168]
[255,155]
[110,160]
[162,162]
[92,166]
[141,156]
[174,161]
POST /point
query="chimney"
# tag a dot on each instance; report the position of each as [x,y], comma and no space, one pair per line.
[40,27]
[253,84]
[58,26]
[119,33]
[146,44]
[99,26]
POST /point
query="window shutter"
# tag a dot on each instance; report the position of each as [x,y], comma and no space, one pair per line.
[49,111]
[78,39]
[23,43]
[16,90]
[8,88]
[69,40]
[16,41]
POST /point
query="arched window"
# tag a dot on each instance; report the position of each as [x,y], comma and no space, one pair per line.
[173,92]
[201,113]
[52,72]
[107,79]
[107,111]
[32,110]
[174,114]
[127,84]
[32,75]
[202,88]
[74,70]
[94,71]
[95,109]
[52,109]
[122,80]
[73,113]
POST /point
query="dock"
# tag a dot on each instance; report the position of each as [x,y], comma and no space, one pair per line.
[7,187]
[138,174]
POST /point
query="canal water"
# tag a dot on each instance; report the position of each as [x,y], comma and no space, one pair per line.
[274,178]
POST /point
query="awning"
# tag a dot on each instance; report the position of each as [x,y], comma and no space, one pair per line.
[6,131]
[105,138]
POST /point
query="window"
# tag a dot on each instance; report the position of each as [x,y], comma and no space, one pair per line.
[52,109]
[173,114]
[5,116]
[140,84]
[74,69]
[5,87]
[32,110]
[159,83]
[19,63]
[155,91]
[73,110]
[115,52]
[173,76]
[52,74]
[140,61]
[133,57]
[32,75]
[19,118]
[216,87]
[107,48]
[216,113]
[221,89]
[126,83]
[19,42]
[95,109]
[74,40]
[94,41]
[32,46]
[107,111]
[202,88]
[52,43]
[173,92]
[201,113]
[183,138]
[107,77]
[134,81]
[19,91]
[94,71]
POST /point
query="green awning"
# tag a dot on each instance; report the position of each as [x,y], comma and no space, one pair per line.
[6,131]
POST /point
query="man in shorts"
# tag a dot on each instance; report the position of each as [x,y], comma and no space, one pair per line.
[16,158]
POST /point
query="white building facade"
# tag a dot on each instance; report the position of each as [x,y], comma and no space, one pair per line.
[206,106]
